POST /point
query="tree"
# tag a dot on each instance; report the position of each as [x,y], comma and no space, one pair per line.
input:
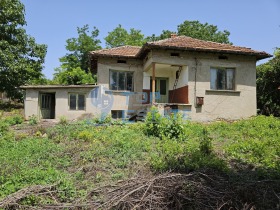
[74,76]
[164,35]
[207,32]
[268,83]
[21,58]
[197,30]
[79,48]
[120,36]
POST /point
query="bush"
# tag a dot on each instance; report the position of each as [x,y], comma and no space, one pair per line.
[171,127]
[33,120]
[14,119]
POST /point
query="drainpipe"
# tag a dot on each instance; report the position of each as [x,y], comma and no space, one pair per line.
[195,75]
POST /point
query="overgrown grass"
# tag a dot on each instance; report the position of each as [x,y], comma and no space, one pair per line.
[81,156]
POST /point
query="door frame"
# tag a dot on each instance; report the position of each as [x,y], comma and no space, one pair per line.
[52,104]
[157,81]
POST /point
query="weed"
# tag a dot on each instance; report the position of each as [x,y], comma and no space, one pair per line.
[33,120]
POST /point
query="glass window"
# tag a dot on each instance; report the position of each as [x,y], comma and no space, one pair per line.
[162,87]
[121,80]
[76,101]
[221,79]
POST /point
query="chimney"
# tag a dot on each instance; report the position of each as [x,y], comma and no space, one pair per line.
[173,35]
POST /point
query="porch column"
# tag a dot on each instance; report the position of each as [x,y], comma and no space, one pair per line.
[154,83]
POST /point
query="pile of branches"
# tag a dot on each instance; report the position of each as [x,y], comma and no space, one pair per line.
[168,191]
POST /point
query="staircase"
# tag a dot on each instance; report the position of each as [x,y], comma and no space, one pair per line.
[138,115]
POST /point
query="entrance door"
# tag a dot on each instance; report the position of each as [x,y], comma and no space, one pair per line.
[161,89]
[47,105]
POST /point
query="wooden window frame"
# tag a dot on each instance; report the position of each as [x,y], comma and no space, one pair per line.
[77,101]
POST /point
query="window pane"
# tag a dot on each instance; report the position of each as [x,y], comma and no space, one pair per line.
[81,102]
[221,79]
[213,79]
[162,87]
[72,102]
[121,82]
[129,81]
[230,73]
[113,80]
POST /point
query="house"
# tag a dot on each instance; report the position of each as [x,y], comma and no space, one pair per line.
[204,80]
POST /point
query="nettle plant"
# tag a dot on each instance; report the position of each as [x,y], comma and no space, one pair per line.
[170,126]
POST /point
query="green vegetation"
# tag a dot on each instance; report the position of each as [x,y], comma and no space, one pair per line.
[268,82]
[21,57]
[75,158]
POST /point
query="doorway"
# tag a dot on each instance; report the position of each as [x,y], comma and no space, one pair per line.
[47,105]
[161,89]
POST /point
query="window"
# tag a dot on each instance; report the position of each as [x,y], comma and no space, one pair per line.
[121,80]
[222,79]
[76,101]
[117,114]
[45,101]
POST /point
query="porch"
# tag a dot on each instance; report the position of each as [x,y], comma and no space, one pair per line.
[165,84]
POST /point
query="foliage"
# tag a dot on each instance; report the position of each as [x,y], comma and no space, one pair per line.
[75,65]
[197,30]
[120,36]
[171,127]
[82,155]
[33,120]
[21,57]
[14,119]
[268,82]
[63,120]
[79,48]
[75,76]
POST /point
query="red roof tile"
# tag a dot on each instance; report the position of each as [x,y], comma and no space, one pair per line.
[181,43]
[123,51]
[188,43]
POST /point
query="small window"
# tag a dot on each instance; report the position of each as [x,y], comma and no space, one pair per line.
[121,61]
[222,79]
[117,114]
[76,101]
[175,54]
[121,80]
[223,57]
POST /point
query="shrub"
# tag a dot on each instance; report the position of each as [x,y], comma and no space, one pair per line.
[33,120]
[171,127]
[14,120]
[63,120]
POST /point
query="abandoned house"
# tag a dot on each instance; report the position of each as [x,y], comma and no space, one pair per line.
[204,80]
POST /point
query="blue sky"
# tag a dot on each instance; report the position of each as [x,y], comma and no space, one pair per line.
[252,23]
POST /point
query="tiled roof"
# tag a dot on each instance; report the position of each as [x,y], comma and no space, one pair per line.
[180,43]
[188,43]
[55,86]
[123,51]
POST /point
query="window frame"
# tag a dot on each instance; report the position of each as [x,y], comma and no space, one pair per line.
[120,71]
[77,101]
[225,69]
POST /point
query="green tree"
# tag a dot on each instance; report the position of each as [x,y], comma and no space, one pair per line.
[79,48]
[21,58]
[73,76]
[120,36]
[197,30]
[164,35]
[207,32]
[268,83]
